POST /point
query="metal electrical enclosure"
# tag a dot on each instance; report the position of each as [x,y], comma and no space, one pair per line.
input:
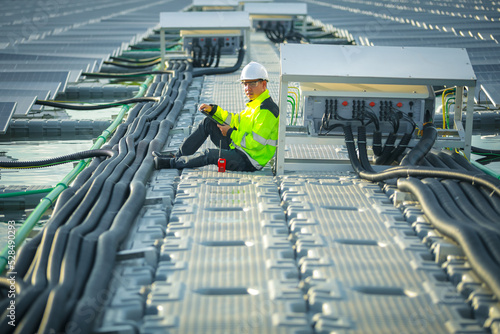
[229,41]
[325,105]
[205,24]
[337,82]
[273,15]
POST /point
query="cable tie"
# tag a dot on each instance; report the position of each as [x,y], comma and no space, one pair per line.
[103,138]
[48,199]
[64,185]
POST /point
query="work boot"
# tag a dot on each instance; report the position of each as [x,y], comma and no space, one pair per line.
[161,163]
[163,155]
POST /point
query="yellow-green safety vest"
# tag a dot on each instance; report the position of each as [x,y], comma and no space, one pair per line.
[253,130]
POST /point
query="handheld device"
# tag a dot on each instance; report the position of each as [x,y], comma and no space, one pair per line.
[213,117]
[221,163]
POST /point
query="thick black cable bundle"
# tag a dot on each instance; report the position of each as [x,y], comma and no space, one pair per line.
[449,197]
[67,268]
[423,146]
[479,247]
[221,70]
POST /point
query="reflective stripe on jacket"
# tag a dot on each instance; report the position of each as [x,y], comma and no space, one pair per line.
[255,129]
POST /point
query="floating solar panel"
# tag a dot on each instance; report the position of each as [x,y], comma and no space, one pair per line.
[38,94]
[52,87]
[60,77]
[24,103]
[6,111]
[426,24]
[74,71]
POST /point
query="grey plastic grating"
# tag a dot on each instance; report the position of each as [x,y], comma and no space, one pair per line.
[365,268]
[316,152]
[227,262]
[237,247]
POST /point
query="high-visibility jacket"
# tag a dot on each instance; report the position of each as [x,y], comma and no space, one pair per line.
[253,130]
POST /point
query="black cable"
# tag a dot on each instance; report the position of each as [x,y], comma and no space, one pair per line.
[221,70]
[135,60]
[33,303]
[399,150]
[40,302]
[363,155]
[387,149]
[423,146]
[489,155]
[490,183]
[448,160]
[494,201]
[480,201]
[135,66]
[219,52]
[478,150]
[123,75]
[377,143]
[472,245]
[435,161]
[6,283]
[462,202]
[57,160]
[95,106]
[461,160]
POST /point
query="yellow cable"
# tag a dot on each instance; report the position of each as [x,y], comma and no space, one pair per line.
[443,96]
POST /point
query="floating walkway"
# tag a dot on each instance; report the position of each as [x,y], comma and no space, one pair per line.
[130,249]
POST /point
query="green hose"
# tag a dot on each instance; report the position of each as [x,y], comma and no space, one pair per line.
[49,200]
[26,193]
[486,169]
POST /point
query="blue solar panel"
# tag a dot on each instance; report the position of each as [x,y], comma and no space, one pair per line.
[6,111]
[439,24]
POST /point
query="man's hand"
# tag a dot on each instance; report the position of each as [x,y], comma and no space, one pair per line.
[224,129]
[205,107]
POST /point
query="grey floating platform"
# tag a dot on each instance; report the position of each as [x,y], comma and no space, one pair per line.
[254,253]
[237,252]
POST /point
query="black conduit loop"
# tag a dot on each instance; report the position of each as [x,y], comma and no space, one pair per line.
[58,160]
[94,106]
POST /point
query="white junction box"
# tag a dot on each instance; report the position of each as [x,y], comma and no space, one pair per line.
[232,26]
[273,16]
[208,41]
[325,105]
[329,86]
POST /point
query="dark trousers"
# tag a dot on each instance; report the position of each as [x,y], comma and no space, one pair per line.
[188,157]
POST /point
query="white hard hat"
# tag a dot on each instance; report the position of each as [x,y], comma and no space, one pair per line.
[254,71]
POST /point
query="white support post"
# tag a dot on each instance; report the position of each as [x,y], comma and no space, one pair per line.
[469,120]
[162,46]
[280,156]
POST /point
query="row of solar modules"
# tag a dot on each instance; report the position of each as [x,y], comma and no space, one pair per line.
[470,24]
[42,49]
